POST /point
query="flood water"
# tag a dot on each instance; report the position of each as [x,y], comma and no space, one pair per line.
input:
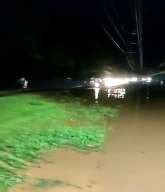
[133,159]
[143,94]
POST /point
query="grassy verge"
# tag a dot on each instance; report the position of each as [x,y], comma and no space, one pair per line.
[31,124]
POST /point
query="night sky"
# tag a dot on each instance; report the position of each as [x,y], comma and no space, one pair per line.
[50,38]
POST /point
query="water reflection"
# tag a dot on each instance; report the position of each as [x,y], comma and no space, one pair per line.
[97,90]
[118,93]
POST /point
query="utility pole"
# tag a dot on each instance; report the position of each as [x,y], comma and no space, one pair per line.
[131,49]
[132,42]
[139,31]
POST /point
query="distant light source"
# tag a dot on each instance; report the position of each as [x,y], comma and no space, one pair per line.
[112,82]
[149,79]
[97,85]
[146,79]
[133,79]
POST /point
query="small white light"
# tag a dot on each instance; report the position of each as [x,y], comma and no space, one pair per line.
[134,79]
[149,79]
[97,85]
[146,79]
[112,82]
[143,79]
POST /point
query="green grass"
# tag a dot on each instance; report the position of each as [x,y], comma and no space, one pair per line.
[32,124]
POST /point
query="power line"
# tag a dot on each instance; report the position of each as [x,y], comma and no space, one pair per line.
[113,40]
[118,17]
[128,52]
[118,46]
[114,26]
[138,18]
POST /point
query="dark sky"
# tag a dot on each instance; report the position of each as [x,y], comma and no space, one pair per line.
[154,30]
[51,36]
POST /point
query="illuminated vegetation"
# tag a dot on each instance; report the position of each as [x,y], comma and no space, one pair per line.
[31,124]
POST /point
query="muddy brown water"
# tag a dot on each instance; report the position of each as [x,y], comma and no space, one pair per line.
[133,159]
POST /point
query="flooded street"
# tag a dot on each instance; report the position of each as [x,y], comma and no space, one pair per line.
[82,96]
[133,159]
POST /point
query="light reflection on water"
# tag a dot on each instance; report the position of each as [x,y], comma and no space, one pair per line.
[118,93]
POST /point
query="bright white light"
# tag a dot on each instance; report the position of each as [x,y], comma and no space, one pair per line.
[146,79]
[161,82]
[112,82]
[97,90]
[149,79]
[97,85]
[109,92]
[118,93]
[134,79]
